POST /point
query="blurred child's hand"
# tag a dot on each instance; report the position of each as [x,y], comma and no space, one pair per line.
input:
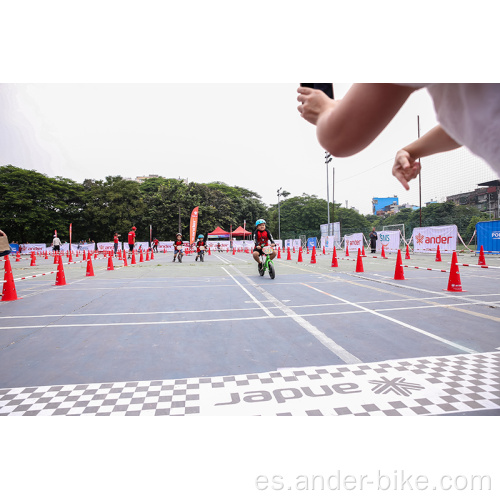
[313,103]
[405,168]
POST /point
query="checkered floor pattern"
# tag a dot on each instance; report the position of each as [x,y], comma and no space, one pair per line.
[416,386]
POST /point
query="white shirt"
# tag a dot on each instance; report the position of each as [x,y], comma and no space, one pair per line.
[470,114]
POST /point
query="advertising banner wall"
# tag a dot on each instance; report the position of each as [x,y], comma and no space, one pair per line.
[14,247]
[426,239]
[33,247]
[389,240]
[293,244]
[354,241]
[334,233]
[312,242]
[488,235]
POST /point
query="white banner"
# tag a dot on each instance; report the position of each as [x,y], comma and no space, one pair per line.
[334,233]
[426,239]
[389,240]
[354,241]
[33,247]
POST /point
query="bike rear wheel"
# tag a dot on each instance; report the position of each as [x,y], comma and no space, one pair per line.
[201,257]
[271,270]
[179,257]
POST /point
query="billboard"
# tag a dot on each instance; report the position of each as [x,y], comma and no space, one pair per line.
[488,235]
[427,239]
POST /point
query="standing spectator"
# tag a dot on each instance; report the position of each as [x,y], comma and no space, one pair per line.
[116,241]
[131,241]
[56,244]
[155,245]
[373,240]
[4,244]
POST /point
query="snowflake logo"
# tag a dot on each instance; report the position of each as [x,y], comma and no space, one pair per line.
[397,385]
[419,238]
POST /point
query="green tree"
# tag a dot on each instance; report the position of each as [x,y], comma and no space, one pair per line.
[35,205]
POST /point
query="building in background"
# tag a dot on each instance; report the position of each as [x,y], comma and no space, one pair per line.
[485,198]
[381,206]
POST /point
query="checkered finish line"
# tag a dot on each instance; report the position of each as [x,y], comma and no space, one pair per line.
[417,386]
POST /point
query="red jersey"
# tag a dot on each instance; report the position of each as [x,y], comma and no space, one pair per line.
[178,243]
[131,238]
[116,239]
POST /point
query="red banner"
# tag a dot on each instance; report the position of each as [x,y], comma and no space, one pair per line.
[193,225]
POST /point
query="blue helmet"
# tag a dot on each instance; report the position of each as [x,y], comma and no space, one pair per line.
[260,221]
[200,236]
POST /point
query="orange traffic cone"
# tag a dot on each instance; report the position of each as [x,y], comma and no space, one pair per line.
[84,255]
[359,263]
[56,258]
[335,262]
[141,256]
[18,256]
[46,255]
[347,250]
[60,278]
[383,252]
[313,256]
[33,259]
[9,287]
[481,261]
[147,254]
[454,283]
[299,258]
[407,256]
[133,257]
[125,259]
[90,268]
[363,252]
[324,251]
[110,264]
[279,252]
[438,255]
[288,256]
[398,272]
[70,256]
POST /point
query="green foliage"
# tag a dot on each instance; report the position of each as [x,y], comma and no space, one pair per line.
[33,205]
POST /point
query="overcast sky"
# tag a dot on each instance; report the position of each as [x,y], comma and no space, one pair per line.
[245,134]
[249,135]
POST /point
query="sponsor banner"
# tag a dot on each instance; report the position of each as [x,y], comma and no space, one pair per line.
[85,246]
[354,241]
[106,246]
[293,244]
[426,239]
[213,245]
[279,243]
[312,242]
[193,225]
[334,233]
[14,247]
[33,247]
[389,240]
[488,235]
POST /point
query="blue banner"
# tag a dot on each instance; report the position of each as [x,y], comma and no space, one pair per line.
[488,235]
[14,247]
[311,242]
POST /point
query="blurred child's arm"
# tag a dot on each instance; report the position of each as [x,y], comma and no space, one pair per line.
[406,167]
[347,126]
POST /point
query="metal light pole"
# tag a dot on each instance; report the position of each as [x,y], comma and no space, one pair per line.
[280,191]
[419,176]
[328,159]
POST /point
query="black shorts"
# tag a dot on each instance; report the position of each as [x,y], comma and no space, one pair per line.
[56,248]
[131,246]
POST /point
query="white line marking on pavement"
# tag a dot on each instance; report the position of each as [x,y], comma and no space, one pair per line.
[338,350]
[262,306]
[401,323]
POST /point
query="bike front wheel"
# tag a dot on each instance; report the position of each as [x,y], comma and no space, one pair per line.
[272,273]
